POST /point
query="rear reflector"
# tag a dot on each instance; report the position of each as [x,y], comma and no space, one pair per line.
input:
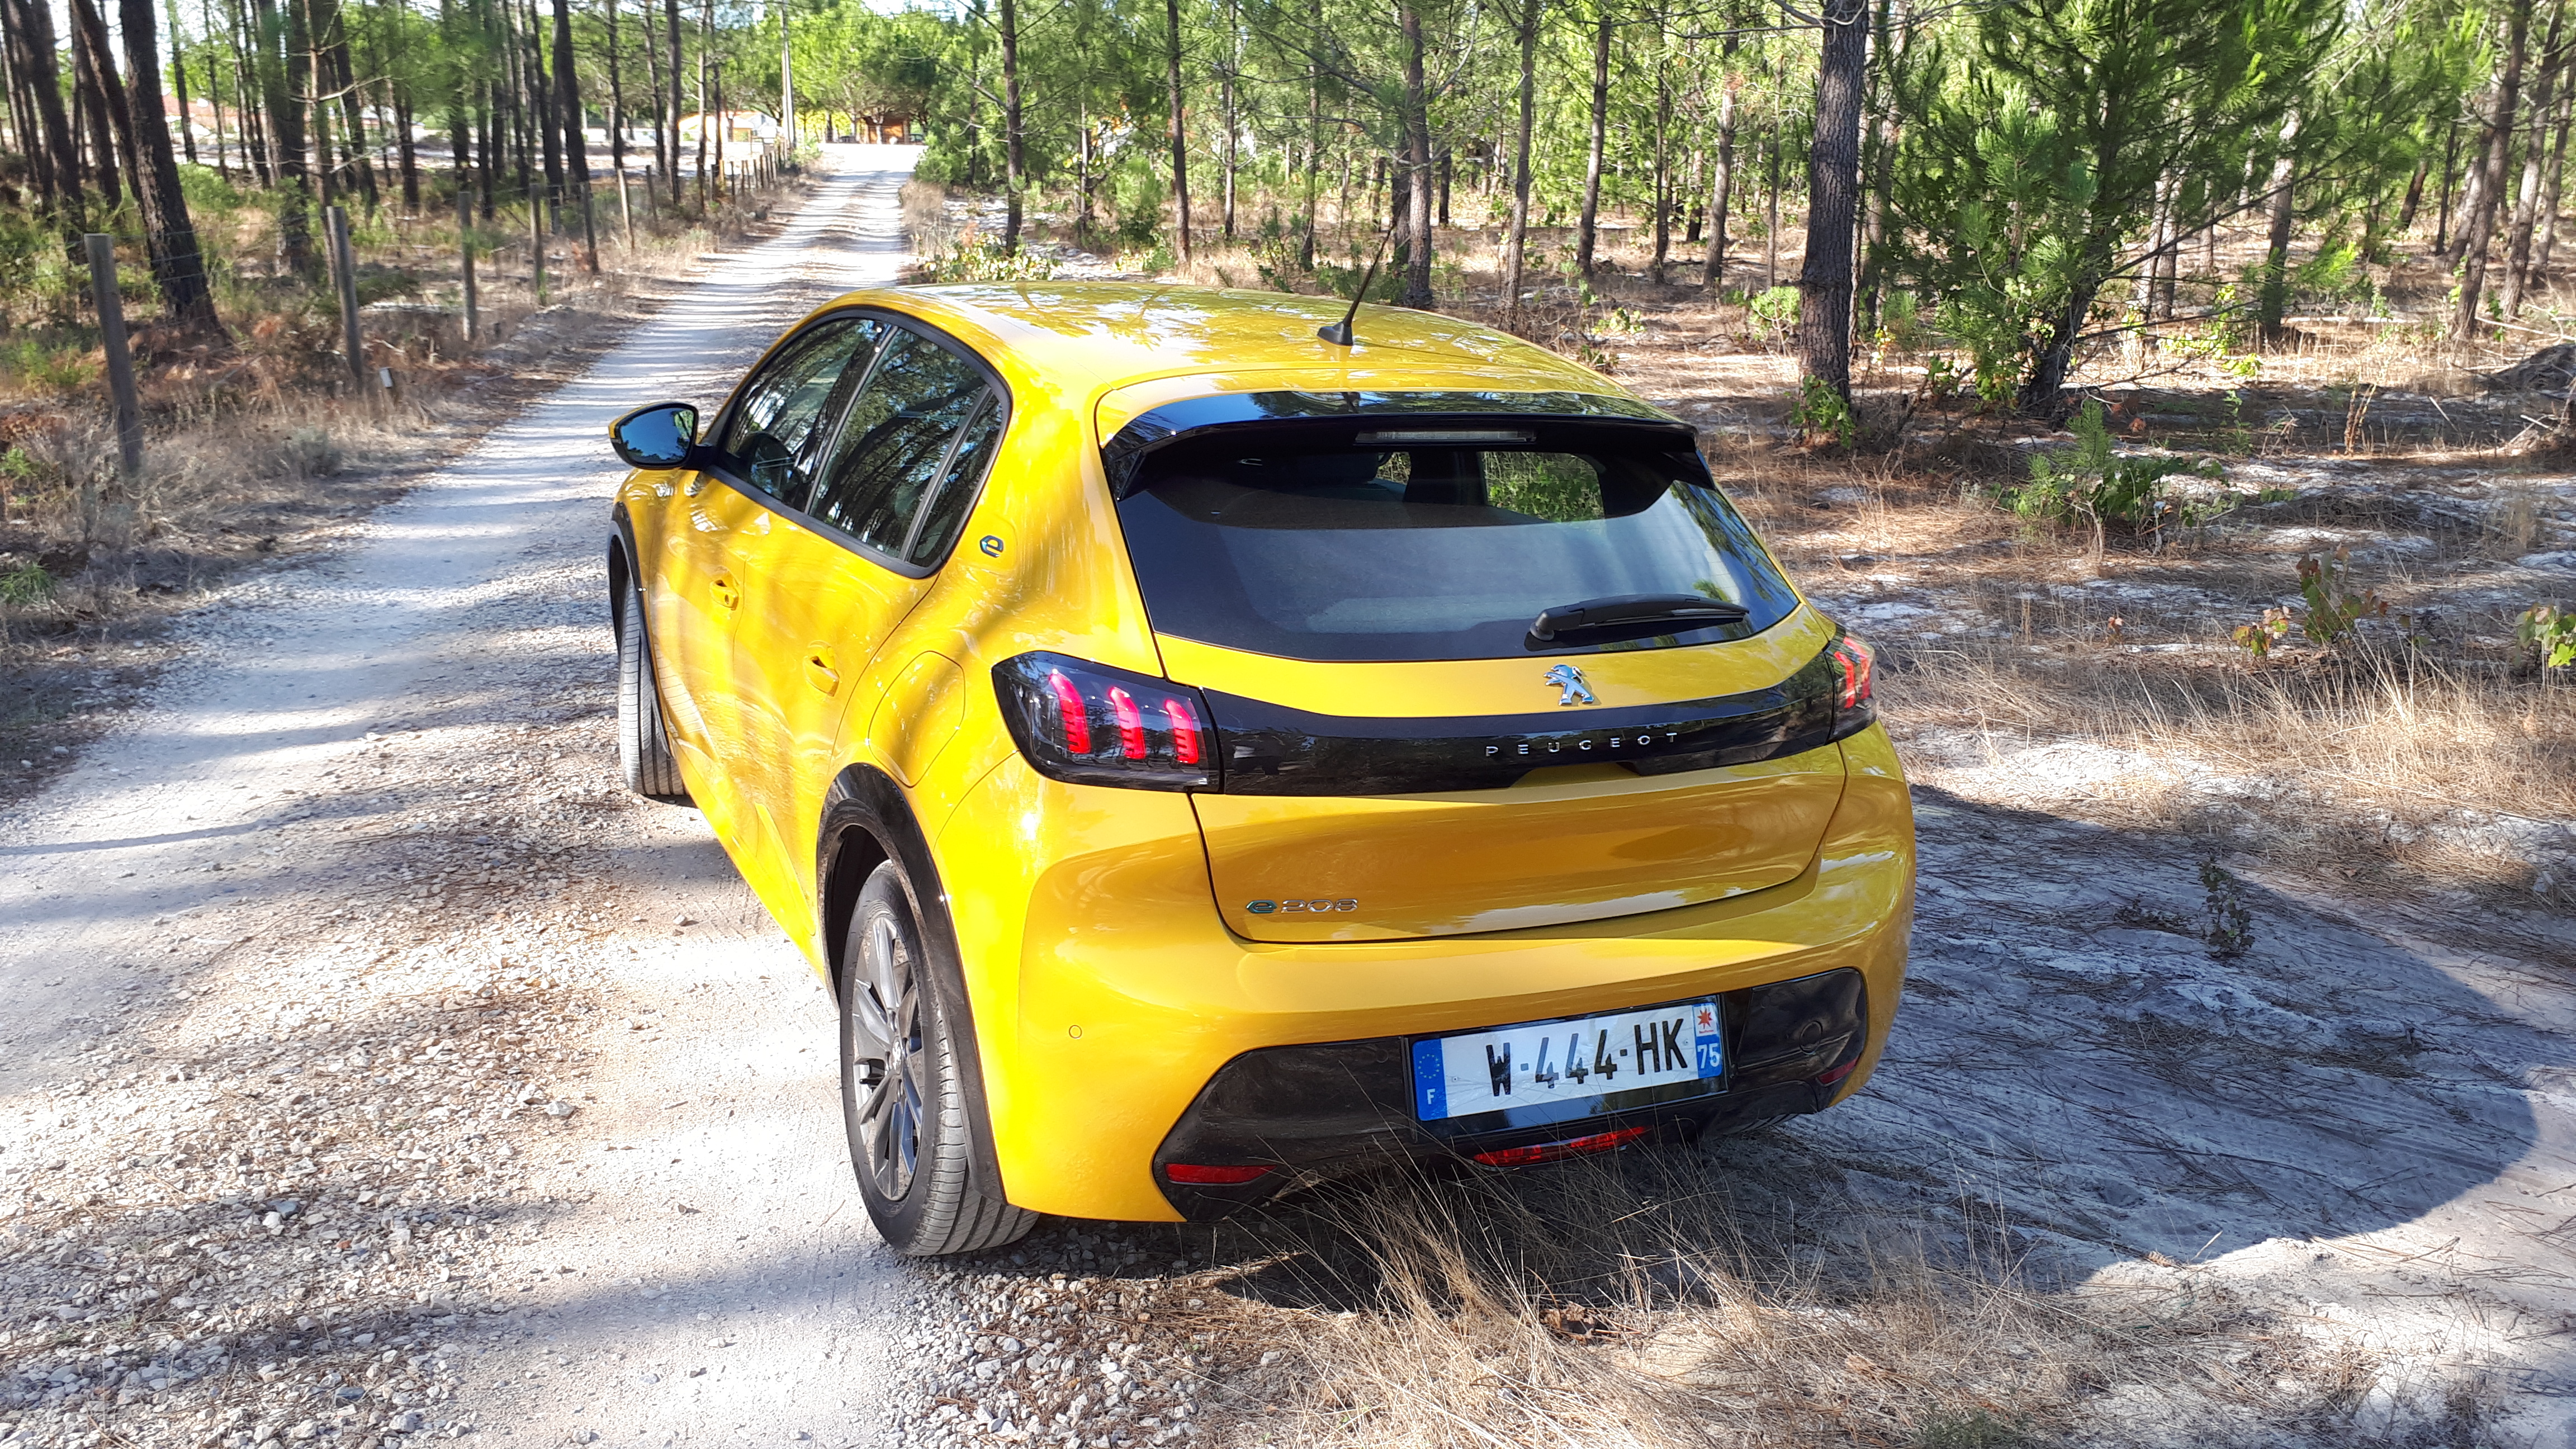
[1551,1151]
[1202,1175]
[1836,1074]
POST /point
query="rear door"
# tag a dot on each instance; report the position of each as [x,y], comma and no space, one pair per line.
[908,456]
[1363,600]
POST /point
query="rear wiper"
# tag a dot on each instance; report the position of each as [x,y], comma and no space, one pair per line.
[1624,613]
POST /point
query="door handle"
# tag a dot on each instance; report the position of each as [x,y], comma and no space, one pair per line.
[819,672]
[726,594]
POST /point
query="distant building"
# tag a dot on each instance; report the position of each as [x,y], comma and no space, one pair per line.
[752,126]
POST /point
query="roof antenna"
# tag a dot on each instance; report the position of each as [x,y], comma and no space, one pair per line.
[1339,334]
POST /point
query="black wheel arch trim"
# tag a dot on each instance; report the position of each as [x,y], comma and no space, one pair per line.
[622,570]
[864,801]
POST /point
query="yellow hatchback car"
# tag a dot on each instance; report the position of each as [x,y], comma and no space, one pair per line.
[1201,757]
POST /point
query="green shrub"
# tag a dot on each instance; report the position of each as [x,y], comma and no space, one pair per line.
[974,259]
[2096,485]
[1823,415]
[26,584]
[2549,633]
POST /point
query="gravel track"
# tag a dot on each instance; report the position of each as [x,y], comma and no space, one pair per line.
[373,1066]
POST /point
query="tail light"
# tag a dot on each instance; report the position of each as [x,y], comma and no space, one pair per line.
[1855,681]
[1090,725]
[1553,1151]
[1195,1174]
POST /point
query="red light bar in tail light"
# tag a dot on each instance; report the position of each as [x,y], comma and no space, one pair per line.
[1833,1076]
[1553,1151]
[1088,724]
[1194,1174]
[1073,719]
[1131,723]
[1188,743]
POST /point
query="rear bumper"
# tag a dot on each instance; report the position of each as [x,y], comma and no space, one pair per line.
[1109,999]
[1300,1112]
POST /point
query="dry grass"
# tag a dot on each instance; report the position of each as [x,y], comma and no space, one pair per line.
[1683,1298]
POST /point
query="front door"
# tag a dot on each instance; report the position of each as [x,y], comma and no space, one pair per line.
[725,542]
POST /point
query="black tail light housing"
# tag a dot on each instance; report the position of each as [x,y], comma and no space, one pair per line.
[1855,684]
[1087,724]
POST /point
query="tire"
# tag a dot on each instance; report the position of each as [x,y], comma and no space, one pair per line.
[643,734]
[902,1100]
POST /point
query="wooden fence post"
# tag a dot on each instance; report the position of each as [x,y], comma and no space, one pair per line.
[537,245]
[345,263]
[120,360]
[465,244]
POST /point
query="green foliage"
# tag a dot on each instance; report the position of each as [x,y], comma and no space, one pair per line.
[1778,306]
[2094,483]
[2230,933]
[2042,133]
[2549,633]
[2333,611]
[2335,607]
[981,259]
[47,366]
[25,584]
[1823,415]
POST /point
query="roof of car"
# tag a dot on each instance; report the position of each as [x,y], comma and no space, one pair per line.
[1090,336]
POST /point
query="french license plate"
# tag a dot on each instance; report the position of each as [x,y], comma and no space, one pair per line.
[1542,1063]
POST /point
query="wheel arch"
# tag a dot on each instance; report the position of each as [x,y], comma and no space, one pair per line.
[866,820]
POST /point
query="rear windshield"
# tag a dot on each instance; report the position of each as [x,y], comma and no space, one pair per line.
[1317,548]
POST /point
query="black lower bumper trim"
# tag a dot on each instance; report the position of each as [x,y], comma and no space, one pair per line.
[1332,1107]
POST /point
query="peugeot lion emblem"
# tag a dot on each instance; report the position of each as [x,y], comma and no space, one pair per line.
[1569,679]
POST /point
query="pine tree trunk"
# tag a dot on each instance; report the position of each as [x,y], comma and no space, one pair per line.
[617,97]
[2477,226]
[1417,149]
[1014,157]
[671,171]
[102,100]
[1833,198]
[576,152]
[1180,130]
[170,238]
[1663,158]
[1516,241]
[282,78]
[50,152]
[1587,230]
[1233,123]
[2273,299]
[1721,194]
[2550,190]
[2517,270]
[1315,141]
[353,112]
[179,85]
[2442,219]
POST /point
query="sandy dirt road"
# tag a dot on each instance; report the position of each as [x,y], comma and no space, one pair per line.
[369,1064]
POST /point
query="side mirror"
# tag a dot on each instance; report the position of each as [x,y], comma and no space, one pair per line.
[660,436]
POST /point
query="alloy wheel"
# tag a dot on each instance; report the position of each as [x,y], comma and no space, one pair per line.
[886,1012]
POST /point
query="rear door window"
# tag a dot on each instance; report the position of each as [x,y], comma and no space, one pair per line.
[771,437]
[1292,541]
[895,443]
